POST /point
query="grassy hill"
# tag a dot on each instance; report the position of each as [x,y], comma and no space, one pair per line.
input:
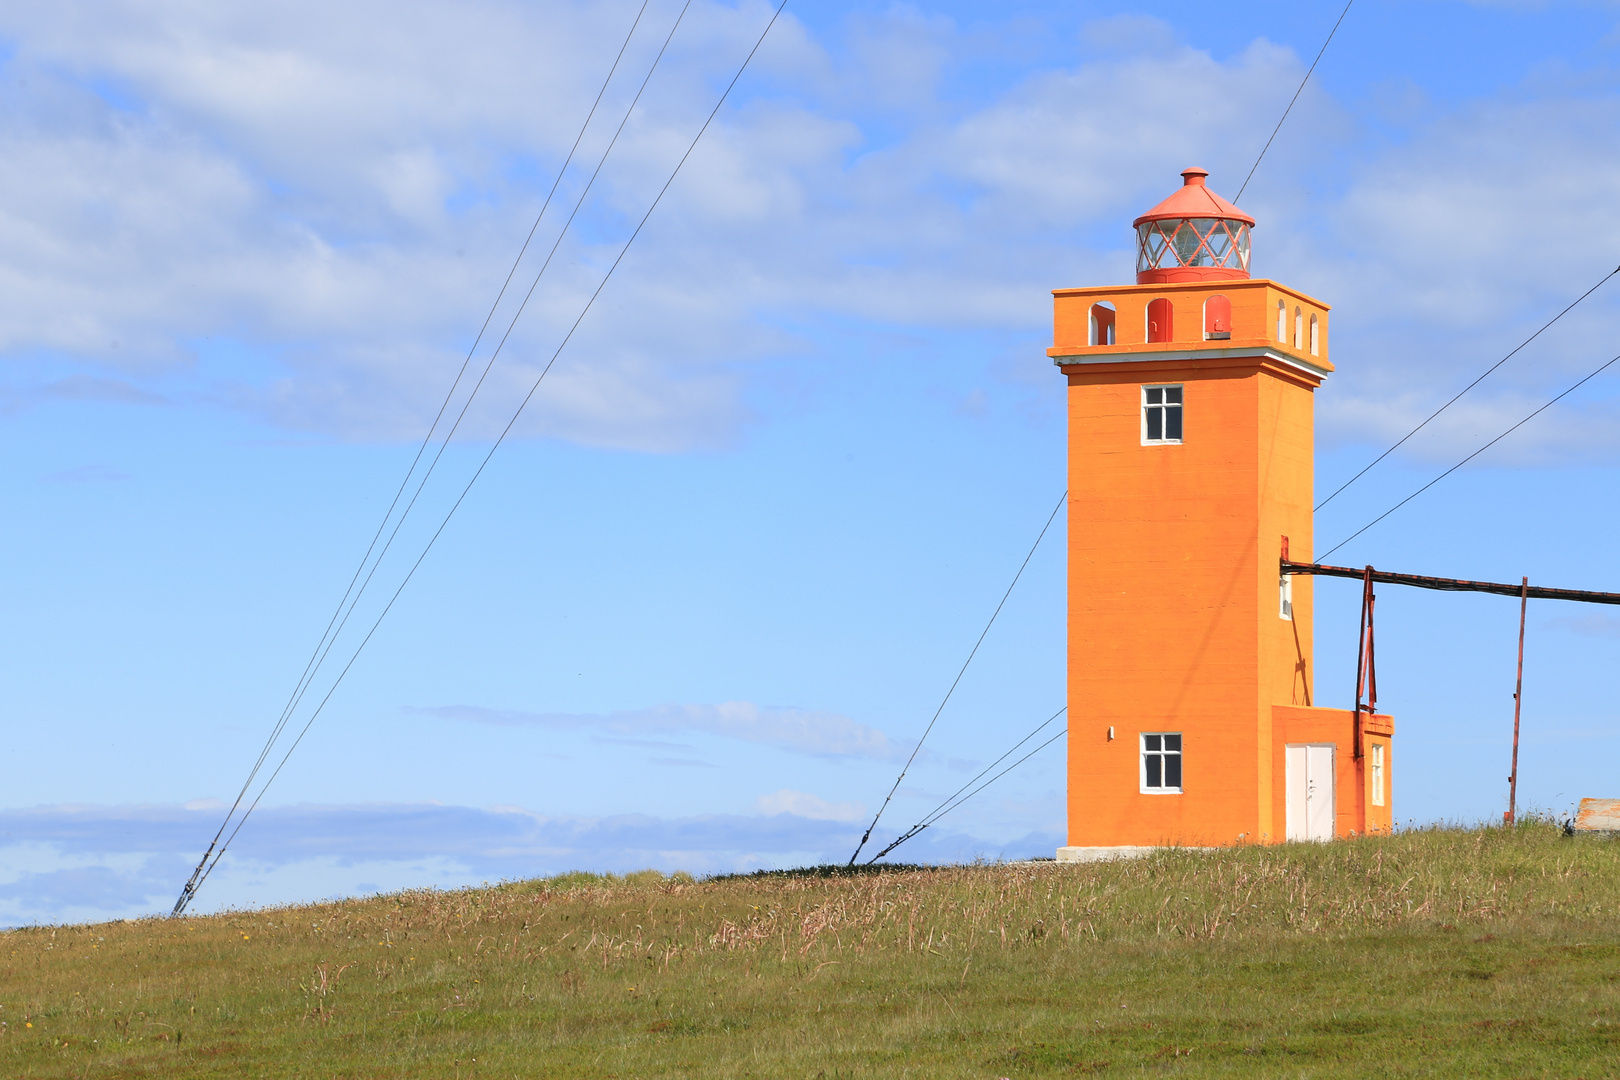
[1431,953]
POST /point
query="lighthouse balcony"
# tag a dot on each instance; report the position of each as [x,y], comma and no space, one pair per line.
[1206,317]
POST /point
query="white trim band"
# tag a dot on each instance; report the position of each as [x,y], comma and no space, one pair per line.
[1193,354]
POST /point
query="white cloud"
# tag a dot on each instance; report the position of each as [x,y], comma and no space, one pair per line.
[1449,249]
[340,206]
[805,805]
[305,196]
[806,731]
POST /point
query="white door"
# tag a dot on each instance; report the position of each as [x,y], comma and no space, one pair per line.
[1308,781]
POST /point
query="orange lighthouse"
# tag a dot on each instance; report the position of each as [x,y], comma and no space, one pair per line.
[1192,697]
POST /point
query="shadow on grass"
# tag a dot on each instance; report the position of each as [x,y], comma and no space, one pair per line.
[831,870]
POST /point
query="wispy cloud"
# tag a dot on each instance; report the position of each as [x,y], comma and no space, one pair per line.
[805,731]
[87,474]
[1593,624]
[78,387]
[805,805]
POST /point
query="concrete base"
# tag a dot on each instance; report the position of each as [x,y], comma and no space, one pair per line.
[1101,854]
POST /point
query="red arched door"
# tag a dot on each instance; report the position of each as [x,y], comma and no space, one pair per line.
[1217,318]
[1160,320]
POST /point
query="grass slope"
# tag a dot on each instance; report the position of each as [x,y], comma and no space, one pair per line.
[1430,953]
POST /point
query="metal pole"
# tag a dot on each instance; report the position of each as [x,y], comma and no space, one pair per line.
[1518,688]
[1361,660]
[1372,652]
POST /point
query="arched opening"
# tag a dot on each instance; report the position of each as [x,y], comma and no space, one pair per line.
[1316,338]
[1102,322]
[1282,323]
[1217,319]
[1299,329]
[1160,320]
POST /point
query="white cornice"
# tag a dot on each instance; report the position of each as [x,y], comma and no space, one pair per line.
[1194,354]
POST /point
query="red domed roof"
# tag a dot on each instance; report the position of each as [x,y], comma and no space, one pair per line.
[1194,200]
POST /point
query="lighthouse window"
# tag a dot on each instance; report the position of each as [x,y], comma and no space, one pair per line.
[1316,338]
[1299,329]
[1161,414]
[1161,762]
[1377,774]
[1282,322]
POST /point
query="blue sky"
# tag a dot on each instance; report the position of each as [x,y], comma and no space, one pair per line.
[704,601]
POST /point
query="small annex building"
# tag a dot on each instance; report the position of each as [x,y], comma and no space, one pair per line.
[1193,716]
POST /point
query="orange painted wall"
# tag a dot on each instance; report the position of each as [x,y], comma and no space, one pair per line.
[1254,318]
[1174,620]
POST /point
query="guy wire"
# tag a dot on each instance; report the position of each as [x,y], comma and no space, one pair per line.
[185,896]
[914,750]
[1601,368]
[1291,101]
[489,365]
[1467,388]
[317,657]
[947,806]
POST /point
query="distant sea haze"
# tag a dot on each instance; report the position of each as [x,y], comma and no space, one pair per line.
[93,863]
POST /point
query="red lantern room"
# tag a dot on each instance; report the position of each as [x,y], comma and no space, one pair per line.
[1194,235]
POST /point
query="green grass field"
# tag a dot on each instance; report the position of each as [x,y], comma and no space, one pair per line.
[1441,952]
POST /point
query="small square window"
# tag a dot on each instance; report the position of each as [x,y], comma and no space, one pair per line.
[1161,414]
[1161,763]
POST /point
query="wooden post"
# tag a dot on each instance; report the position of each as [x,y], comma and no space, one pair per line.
[1518,689]
[1366,680]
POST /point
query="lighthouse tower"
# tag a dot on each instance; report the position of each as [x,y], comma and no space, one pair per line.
[1192,693]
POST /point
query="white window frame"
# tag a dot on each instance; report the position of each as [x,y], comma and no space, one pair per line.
[1285,599]
[1377,762]
[1142,753]
[1164,407]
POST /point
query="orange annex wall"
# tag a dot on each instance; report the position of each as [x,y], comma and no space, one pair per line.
[1359,810]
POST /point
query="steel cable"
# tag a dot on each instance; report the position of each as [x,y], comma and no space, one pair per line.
[1469,458]
[1291,101]
[206,872]
[489,365]
[317,657]
[953,801]
[975,651]
[1465,389]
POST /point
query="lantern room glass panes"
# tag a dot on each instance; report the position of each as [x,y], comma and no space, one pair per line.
[1214,242]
